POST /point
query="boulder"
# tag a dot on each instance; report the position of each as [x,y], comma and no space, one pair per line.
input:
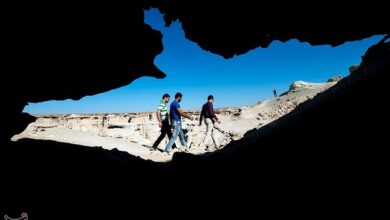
[299,85]
[353,68]
[334,79]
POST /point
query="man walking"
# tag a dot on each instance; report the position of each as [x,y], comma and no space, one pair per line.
[163,121]
[275,94]
[209,118]
[175,116]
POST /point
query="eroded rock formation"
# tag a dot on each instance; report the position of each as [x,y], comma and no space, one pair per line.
[135,130]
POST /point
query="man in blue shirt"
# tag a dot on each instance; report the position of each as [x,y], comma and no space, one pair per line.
[175,116]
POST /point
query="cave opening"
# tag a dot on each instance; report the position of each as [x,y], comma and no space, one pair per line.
[243,86]
[324,158]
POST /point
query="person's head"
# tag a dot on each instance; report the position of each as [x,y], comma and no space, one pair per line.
[210,98]
[166,98]
[178,97]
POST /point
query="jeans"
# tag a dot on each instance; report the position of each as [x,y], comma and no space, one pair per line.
[210,132]
[165,130]
[177,131]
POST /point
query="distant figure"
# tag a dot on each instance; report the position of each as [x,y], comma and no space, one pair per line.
[209,119]
[175,116]
[275,94]
[163,121]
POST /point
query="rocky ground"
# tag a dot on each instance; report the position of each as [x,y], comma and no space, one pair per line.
[136,132]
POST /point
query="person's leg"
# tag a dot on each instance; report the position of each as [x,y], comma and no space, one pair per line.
[169,133]
[182,137]
[165,129]
[176,131]
[209,127]
[214,136]
[159,139]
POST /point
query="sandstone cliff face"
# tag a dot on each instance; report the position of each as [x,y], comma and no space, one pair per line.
[135,132]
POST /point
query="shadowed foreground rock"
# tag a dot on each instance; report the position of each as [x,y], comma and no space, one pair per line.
[295,168]
[326,158]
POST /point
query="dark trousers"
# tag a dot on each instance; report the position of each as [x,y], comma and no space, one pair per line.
[165,130]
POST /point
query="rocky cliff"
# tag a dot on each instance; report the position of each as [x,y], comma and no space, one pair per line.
[134,132]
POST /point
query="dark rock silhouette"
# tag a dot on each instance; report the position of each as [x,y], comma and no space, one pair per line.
[327,158]
[67,52]
[235,27]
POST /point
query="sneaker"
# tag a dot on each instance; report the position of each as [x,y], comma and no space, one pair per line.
[167,152]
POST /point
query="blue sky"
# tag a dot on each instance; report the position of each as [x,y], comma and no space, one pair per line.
[239,81]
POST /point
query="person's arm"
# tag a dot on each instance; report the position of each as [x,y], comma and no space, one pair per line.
[201,119]
[212,113]
[159,118]
[184,114]
[169,119]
